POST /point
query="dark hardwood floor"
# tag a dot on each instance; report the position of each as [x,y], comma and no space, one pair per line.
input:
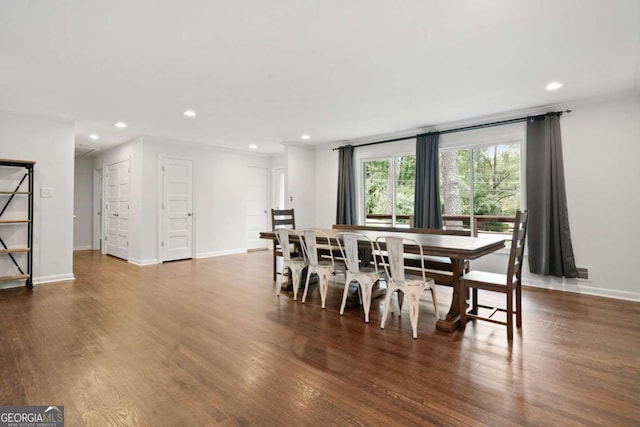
[207,342]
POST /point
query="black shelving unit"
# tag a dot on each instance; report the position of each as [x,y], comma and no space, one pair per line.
[22,188]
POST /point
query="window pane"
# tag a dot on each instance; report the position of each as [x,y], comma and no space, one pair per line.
[497,180]
[405,189]
[455,188]
[496,184]
[378,201]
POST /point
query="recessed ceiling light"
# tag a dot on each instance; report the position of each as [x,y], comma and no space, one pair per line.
[190,113]
[121,125]
[94,137]
[554,86]
[305,136]
[253,146]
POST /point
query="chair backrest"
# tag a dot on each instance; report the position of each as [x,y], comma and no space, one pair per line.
[395,254]
[348,243]
[282,234]
[283,218]
[403,230]
[517,247]
[310,245]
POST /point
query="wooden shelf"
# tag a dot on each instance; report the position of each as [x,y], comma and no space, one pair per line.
[23,186]
[13,250]
[11,162]
[16,277]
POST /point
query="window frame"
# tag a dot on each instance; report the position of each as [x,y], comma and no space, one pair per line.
[481,138]
[514,133]
[378,152]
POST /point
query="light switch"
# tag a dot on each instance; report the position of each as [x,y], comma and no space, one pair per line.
[46,192]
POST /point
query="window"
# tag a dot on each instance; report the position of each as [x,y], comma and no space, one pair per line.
[481,180]
[486,177]
[389,186]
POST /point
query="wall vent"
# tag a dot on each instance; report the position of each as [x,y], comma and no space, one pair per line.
[583,273]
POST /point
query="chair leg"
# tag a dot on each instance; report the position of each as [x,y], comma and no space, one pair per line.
[366,289]
[306,286]
[474,300]
[345,293]
[435,301]
[414,309]
[387,304]
[323,285]
[279,283]
[519,306]
[275,273]
[400,300]
[509,314]
[295,280]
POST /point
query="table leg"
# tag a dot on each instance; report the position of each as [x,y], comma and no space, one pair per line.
[451,322]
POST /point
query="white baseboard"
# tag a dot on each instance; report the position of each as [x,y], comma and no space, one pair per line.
[580,288]
[143,262]
[38,281]
[54,278]
[82,248]
[221,253]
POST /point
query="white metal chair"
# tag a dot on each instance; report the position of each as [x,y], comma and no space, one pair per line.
[323,269]
[294,265]
[411,287]
[365,277]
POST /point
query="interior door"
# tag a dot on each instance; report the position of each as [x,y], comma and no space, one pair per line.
[256,207]
[177,208]
[117,209]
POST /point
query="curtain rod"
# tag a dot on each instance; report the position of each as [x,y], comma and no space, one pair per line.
[465,128]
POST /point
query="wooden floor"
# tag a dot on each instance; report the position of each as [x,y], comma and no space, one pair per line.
[207,342]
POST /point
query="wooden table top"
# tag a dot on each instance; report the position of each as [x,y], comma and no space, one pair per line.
[462,247]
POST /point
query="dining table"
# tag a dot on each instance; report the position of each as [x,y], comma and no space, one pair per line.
[457,248]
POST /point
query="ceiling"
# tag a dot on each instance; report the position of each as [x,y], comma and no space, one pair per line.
[266,72]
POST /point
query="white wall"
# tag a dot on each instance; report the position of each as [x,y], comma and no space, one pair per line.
[326,184]
[601,144]
[219,186]
[50,143]
[301,191]
[82,210]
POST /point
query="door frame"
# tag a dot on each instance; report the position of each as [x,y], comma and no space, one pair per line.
[98,209]
[160,195]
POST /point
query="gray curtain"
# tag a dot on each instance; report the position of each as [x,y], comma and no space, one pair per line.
[550,249]
[427,212]
[346,207]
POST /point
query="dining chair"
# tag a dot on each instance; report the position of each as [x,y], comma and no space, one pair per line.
[366,277]
[324,268]
[295,265]
[411,286]
[508,284]
[281,218]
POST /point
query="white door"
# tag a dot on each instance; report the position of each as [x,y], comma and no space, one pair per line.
[256,207]
[117,209]
[177,209]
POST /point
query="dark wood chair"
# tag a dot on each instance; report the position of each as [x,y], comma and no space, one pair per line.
[508,284]
[281,218]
